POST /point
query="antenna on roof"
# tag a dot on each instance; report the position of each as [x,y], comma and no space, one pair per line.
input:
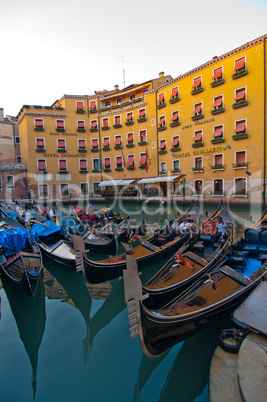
[123,70]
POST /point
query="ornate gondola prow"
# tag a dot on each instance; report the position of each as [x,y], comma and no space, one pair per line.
[133,295]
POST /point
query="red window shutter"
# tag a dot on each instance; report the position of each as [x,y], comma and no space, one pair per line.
[80,124]
[217,102]
[161,121]
[63,164]
[198,137]
[240,63]
[241,157]
[240,94]
[174,92]
[82,144]
[39,123]
[41,164]
[162,144]
[142,160]
[197,108]
[240,127]
[119,160]
[199,160]
[92,105]
[83,164]
[197,82]
[129,116]
[40,142]
[175,116]
[93,124]
[217,73]
[105,122]
[131,160]
[161,98]
[118,141]
[106,142]
[107,162]
[142,113]
[218,160]
[130,137]
[117,120]
[95,143]
[60,123]
[217,131]
[175,142]
[61,143]
[79,105]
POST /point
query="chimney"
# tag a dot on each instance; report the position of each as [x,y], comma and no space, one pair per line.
[116,87]
[161,74]
[1,114]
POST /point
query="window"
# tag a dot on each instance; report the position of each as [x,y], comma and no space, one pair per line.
[92,106]
[132,97]
[119,100]
[96,187]
[93,125]
[18,159]
[62,165]
[218,102]
[61,144]
[198,163]
[60,125]
[130,138]
[142,114]
[198,109]
[142,161]
[117,121]
[198,187]
[96,165]
[217,74]
[176,165]
[161,99]
[162,145]
[79,107]
[106,143]
[218,160]
[241,186]
[129,117]
[163,167]
[41,165]
[17,139]
[118,162]
[198,136]
[82,145]
[40,144]
[218,132]
[83,165]
[117,142]
[106,163]
[105,123]
[239,65]
[240,127]
[38,124]
[10,182]
[175,142]
[197,85]
[142,136]
[43,190]
[130,161]
[218,187]
[84,188]
[161,122]
[107,103]
[64,190]
[240,159]
[175,118]
[240,96]
[94,144]
[174,93]
[80,125]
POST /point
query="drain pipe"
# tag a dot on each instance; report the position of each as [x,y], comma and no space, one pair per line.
[264,124]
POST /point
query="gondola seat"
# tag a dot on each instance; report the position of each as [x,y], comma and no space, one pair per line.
[238,261]
[208,229]
[263,241]
[251,242]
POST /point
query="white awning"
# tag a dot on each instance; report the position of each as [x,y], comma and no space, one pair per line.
[157,179]
[110,183]
[126,182]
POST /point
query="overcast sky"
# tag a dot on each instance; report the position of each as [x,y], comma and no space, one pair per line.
[56,47]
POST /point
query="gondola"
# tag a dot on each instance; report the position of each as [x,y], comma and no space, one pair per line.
[211,297]
[99,243]
[193,260]
[153,250]
[20,259]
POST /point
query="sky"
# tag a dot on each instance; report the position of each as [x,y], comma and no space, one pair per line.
[55,47]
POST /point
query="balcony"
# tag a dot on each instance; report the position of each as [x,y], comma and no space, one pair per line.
[12,164]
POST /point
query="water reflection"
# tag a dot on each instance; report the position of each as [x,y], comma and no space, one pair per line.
[30,317]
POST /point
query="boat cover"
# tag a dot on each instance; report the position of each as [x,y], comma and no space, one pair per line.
[41,231]
[70,225]
[8,212]
[16,238]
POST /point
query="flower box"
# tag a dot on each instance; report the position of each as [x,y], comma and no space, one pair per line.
[40,149]
[239,136]
[243,165]
[104,109]
[129,145]
[142,166]
[107,170]
[82,150]
[115,106]
[80,111]
[38,128]
[63,171]
[44,194]
[142,143]
[174,99]
[93,129]
[176,171]
[162,151]
[93,110]
[217,167]
[197,170]
[197,117]
[117,125]
[137,100]
[239,73]
[105,128]
[60,129]
[161,128]
[240,104]
[118,147]
[217,82]
[175,149]
[85,170]
[94,149]
[126,103]
[217,140]
[197,144]
[130,167]
[96,170]
[160,105]
[217,111]
[106,149]
[118,169]
[196,90]
[175,124]
[141,119]
[129,123]
[61,150]
[81,130]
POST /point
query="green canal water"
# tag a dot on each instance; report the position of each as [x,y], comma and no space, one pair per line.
[72,343]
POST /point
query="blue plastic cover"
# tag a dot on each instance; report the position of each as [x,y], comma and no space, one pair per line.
[8,212]
[15,238]
[71,225]
[39,231]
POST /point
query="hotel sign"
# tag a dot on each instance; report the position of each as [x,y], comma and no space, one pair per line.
[202,152]
[198,123]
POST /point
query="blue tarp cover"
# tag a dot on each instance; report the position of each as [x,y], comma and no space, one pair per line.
[16,238]
[71,224]
[48,228]
[11,214]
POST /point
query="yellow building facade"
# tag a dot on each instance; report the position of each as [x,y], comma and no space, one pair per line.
[202,134]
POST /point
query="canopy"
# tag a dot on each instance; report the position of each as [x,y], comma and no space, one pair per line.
[110,183]
[126,182]
[40,231]
[15,238]
[158,179]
